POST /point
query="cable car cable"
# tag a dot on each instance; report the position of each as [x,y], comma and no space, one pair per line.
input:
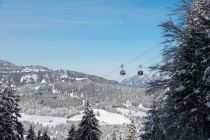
[142,54]
[132,60]
[135,69]
[150,60]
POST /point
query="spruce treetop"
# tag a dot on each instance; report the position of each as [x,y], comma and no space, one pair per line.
[114,136]
[89,126]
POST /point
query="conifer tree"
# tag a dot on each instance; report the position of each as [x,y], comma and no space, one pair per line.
[132,132]
[71,133]
[45,136]
[185,65]
[120,137]
[39,137]
[89,126]
[152,129]
[114,137]
[31,134]
[10,127]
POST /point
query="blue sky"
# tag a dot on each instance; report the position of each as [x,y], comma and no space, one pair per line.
[91,36]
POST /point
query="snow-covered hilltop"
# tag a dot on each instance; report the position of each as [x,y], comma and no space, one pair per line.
[22,75]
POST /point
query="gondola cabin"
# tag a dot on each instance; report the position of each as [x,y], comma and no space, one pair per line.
[140,73]
[122,72]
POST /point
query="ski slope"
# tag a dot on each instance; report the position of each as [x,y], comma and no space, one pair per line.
[44,120]
[104,117]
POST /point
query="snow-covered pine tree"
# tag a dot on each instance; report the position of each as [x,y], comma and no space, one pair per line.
[10,127]
[114,136]
[45,136]
[89,126]
[120,136]
[132,132]
[71,133]
[39,136]
[201,15]
[185,65]
[152,130]
[31,134]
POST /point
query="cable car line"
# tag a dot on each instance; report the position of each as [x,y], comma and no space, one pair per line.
[143,54]
[139,69]
[132,60]
[111,72]
[142,66]
[122,72]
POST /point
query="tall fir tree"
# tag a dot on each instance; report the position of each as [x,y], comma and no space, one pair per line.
[114,136]
[132,132]
[120,136]
[152,129]
[10,127]
[89,126]
[45,136]
[186,68]
[31,134]
[39,136]
[72,133]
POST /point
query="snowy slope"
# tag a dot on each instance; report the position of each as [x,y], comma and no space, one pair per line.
[44,120]
[104,118]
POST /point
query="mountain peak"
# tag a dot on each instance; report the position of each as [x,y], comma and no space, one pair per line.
[139,81]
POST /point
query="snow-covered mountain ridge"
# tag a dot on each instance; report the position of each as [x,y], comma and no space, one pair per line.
[139,81]
[22,75]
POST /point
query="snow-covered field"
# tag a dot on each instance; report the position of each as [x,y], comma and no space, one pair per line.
[127,112]
[44,120]
[104,117]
